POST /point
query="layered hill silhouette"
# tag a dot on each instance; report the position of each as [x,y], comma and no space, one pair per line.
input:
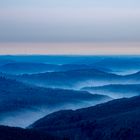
[115,63]
[73,93]
[77,78]
[116,90]
[24,67]
[119,63]
[114,120]
[68,79]
[18,94]
[19,97]
[31,68]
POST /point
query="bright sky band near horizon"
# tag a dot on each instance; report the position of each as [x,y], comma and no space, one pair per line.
[70,27]
[70,48]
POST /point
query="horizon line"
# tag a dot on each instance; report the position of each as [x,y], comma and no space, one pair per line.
[110,48]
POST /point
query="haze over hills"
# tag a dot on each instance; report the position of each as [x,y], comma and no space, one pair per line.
[134,76]
[18,98]
[116,90]
[32,87]
[21,68]
[115,120]
[31,68]
[69,79]
[76,79]
[120,64]
[69,69]
[125,64]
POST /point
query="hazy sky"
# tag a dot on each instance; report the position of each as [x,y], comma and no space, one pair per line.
[69,21]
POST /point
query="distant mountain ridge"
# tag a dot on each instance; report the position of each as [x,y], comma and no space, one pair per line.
[116,63]
[21,68]
[31,68]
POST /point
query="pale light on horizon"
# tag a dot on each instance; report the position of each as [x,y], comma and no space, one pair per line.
[70,48]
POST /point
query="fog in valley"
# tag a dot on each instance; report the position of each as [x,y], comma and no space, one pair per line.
[100,83]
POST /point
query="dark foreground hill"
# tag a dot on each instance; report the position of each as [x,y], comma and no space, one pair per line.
[115,120]
[11,133]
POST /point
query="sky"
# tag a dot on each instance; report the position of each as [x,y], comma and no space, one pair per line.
[62,26]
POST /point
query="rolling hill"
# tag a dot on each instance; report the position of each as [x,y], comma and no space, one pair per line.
[18,98]
[24,67]
[33,68]
[116,90]
[114,120]
[69,79]
[76,79]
